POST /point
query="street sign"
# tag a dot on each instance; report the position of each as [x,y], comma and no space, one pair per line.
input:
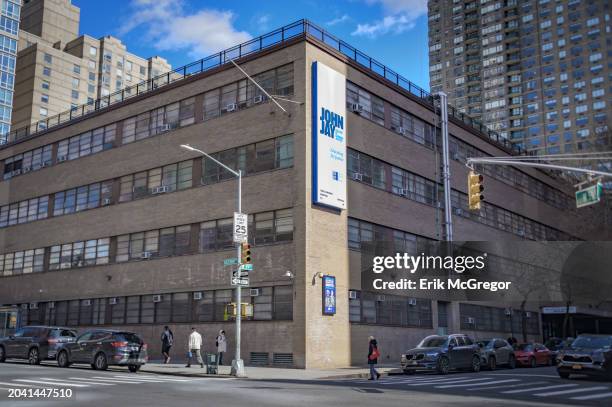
[248,267]
[241,222]
[239,273]
[230,261]
[589,195]
[241,281]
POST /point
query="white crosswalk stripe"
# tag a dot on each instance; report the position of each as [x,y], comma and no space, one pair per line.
[97,381]
[453,381]
[448,386]
[508,386]
[17,384]
[116,380]
[72,378]
[64,384]
[152,380]
[557,393]
[538,388]
[593,396]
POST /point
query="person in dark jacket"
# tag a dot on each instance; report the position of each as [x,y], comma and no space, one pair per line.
[167,339]
[373,358]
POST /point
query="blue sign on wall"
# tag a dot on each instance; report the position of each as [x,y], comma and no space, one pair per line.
[329,295]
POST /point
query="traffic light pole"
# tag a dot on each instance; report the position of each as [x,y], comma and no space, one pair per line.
[237,363]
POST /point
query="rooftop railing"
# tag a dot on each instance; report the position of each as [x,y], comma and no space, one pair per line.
[279,36]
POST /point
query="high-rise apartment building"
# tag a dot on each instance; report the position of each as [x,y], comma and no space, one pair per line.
[9,30]
[536,71]
[59,70]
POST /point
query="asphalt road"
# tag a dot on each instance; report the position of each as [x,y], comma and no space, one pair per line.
[520,387]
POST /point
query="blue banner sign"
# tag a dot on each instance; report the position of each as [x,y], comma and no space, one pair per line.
[329,295]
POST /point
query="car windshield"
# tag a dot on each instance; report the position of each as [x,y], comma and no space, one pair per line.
[527,347]
[485,342]
[128,337]
[433,342]
[592,342]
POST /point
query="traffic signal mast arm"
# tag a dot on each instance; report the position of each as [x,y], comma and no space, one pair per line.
[522,161]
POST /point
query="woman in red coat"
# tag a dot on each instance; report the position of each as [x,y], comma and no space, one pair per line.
[373,355]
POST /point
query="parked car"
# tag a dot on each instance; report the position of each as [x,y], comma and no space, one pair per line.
[588,354]
[532,354]
[101,348]
[442,353]
[35,343]
[555,345]
[495,352]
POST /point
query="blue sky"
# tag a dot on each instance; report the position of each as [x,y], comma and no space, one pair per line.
[392,31]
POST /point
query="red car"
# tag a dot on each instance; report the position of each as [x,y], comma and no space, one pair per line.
[532,354]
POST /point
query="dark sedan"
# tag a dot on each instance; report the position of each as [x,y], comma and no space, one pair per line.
[588,354]
[442,353]
[101,348]
[35,343]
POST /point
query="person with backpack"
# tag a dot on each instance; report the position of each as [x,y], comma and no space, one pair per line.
[221,346]
[167,339]
[373,355]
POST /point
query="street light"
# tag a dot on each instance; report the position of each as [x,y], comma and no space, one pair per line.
[237,363]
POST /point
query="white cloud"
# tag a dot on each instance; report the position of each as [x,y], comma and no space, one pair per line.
[169,26]
[399,16]
[339,20]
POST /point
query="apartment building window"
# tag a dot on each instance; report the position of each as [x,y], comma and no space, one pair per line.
[75,94]
[46,71]
[263,156]
[79,254]
[82,198]
[76,69]
[366,169]
[411,127]
[87,143]
[365,104]
[45,85]
[168,178]
[44,98]
[25,211]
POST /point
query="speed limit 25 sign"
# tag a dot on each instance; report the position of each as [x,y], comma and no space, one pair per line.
[240,227]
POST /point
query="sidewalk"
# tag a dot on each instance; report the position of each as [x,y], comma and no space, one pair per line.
[267,373]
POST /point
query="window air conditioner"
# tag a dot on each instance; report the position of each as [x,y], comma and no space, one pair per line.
[86,303]
[106,201]
[33,305]
[258,99]
[113,300]
[356,108]
[197,295]
[352,295]
[145,255]
[401,130]
[470,320]
[231,107]
[45,164]
[61,158]
[508,311]
[164,128]
[27,169]
[527,314]
[357,176]
[255,292]
[157,298]
[380,298]
[51,304]
[412,301]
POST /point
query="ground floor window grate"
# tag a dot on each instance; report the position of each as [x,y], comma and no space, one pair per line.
[259,358]
[282,359]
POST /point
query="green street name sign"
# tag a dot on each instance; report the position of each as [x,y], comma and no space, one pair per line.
[231,261]
[589,195]
[246,267]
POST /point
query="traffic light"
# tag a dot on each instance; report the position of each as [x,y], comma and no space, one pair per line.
[245,253]
[475,190]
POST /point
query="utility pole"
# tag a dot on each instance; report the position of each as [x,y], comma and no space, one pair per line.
[448,220]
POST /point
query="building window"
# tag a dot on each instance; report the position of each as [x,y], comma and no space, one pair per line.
[46,71]
[44,98]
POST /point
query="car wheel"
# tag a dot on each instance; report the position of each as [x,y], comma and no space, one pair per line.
[532,362]
[34,356]
[100,362]
[476,364]
[512,362]
[134,368]
[564,375]
[62,359]
[492,363]
[2,354]
[409,371]
[443,365]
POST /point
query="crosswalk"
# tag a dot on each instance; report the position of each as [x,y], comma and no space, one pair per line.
[90,381]
[504,385]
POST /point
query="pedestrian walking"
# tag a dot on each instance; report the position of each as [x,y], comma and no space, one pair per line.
[373,355]
[221,346]
[167,339]
[195,343]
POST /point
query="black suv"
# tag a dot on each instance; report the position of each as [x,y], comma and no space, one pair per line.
[588,354]
[103,347]
[35,343]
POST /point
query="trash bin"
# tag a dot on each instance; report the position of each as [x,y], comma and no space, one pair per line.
[211,363]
